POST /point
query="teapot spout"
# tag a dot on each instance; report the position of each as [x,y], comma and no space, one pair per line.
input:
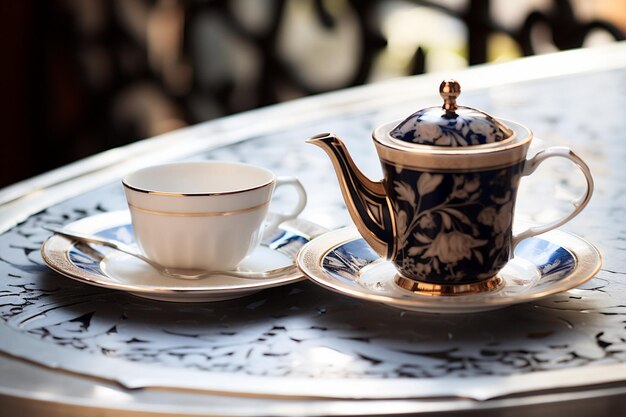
[365,199]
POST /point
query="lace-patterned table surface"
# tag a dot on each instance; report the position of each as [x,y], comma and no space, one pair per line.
[303,340]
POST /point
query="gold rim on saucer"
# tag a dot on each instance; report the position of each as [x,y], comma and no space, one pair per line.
[56,253]
[374,279]
[198,214]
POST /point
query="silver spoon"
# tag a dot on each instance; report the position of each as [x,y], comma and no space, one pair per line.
[121,247]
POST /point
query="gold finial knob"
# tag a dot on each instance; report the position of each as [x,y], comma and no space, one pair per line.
[449,91]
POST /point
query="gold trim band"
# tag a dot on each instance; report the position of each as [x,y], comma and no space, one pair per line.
[425,288]
[445,159]
[172,194]
[445,170]
[198,214]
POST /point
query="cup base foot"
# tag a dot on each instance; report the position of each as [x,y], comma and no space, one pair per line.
[427,288]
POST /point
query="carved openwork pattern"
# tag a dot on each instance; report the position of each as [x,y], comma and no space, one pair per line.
[186,62]
[303,330]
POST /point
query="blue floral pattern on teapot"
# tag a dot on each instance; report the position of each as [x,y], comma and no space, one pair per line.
[433,126]
[443,212]
[456,225]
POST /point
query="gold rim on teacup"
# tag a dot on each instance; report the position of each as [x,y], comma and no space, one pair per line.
[145,190]
[198,214]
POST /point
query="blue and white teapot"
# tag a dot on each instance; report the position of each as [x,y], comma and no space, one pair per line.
[443,213]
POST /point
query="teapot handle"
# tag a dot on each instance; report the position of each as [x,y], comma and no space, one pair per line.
[579,203]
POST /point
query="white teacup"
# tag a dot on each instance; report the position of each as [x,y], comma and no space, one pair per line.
[204,215]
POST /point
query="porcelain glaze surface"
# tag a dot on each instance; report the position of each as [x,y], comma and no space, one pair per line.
[442,215]
[213,211]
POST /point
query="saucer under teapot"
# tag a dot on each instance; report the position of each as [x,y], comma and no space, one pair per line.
[443,212]
[342,262]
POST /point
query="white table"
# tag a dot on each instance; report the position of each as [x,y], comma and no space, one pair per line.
[302,336]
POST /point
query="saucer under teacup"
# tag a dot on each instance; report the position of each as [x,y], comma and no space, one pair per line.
[544,265]
[115,270]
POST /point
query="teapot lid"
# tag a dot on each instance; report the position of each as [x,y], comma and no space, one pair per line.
[450,125]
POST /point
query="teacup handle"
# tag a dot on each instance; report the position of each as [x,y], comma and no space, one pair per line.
[579,203]
[275,219]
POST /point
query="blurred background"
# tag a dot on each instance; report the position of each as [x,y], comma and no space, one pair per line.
[82,76]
